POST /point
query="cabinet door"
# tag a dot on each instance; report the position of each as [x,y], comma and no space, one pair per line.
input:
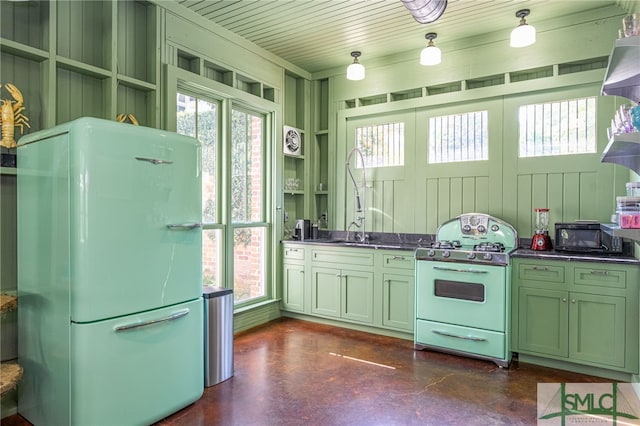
[325,291]
[293,287]
[597,328]
[398,301]
[357,295]
[543,321]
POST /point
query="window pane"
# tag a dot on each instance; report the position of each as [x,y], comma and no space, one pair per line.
[459,137]
[558,128]
[211,257]
[382,145]
[248,263]
[246,168]
[208,135]
[199,119]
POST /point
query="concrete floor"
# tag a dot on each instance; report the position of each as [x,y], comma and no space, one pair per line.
[292,372]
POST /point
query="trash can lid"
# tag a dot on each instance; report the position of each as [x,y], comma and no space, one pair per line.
[209,291]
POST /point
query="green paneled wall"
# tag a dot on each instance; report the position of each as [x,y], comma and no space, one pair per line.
[573,186]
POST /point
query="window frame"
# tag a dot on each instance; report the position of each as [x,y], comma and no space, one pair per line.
[182,81]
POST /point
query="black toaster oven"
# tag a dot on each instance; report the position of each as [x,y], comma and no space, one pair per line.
[585,237]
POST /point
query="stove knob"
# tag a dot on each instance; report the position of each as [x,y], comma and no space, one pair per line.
[446,253]
[471,256]
[466,228]
[431,253]
[487,256]
[495,228]
[482,229]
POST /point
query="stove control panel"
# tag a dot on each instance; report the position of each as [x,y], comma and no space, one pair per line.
[472,224]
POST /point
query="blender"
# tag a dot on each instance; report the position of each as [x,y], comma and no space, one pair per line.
[541,240]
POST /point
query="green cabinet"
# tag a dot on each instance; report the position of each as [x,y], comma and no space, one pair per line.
[352,285]
[398,290]
[293,287]
[543,321]
[581,312]
[293,278]
[597,329]
[342,284]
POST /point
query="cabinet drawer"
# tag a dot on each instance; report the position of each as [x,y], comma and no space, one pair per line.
[474,341]
[354,257]
[600,277]
[293,253]
[400,261]
[541,272]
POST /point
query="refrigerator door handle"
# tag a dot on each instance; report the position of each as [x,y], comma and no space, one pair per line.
[134,325]
[154,160]
[184,226]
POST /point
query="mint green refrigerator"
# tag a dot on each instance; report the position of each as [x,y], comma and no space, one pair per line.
[109,274]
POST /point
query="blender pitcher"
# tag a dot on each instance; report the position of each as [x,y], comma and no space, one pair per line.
[541,239]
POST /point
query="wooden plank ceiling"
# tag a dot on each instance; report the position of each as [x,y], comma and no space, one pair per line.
[318,35]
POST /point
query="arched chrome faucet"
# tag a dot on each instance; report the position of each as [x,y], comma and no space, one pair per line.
[359,221]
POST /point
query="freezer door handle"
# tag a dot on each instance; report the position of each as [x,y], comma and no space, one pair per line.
[184,226]
[138,324]
[154,160]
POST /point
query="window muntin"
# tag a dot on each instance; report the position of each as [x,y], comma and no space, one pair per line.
[558,128]
[382,145]
[459,137]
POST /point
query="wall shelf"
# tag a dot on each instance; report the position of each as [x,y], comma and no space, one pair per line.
[23,50]
[624,149]
[616,231]
[622,78]
[623,75]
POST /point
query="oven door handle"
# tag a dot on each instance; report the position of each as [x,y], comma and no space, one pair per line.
[472,338]
[473,271]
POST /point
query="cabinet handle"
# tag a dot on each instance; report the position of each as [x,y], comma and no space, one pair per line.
[339,275]
[544,268]
[397,258]
[595,272]
[564,300]
[573,300]
[302,272]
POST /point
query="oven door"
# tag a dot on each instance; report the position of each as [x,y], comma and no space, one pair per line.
[463,294]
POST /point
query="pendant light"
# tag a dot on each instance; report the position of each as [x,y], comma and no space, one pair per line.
[524,34]
[355,71]
[430,55]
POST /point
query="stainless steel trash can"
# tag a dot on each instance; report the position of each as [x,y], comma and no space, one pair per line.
[218,334]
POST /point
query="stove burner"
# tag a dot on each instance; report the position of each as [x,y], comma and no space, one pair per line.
[448,245]
[490,247]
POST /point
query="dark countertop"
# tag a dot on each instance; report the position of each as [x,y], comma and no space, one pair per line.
[377,240]
[576,257]
[410,242]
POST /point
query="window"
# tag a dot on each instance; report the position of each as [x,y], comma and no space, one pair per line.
[382,145]
[558,128]
[246,230]
[459,137]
